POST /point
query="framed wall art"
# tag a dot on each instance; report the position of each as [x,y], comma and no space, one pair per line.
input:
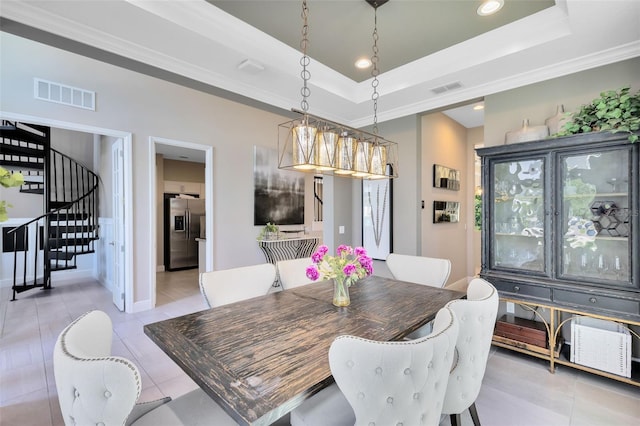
[446,211]
[377,217]
[278,194]
[446,178]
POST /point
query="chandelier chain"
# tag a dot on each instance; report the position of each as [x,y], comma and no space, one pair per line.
[304,61]
[375,71]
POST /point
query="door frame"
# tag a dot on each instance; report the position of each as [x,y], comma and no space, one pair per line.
[208,182]
[127,139]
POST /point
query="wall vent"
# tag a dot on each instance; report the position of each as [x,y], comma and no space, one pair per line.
[63,94]
[446,87]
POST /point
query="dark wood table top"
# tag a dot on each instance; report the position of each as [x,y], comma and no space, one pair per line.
[260,358]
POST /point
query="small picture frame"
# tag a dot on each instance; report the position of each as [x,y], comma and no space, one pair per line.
[446,178]
[446,211]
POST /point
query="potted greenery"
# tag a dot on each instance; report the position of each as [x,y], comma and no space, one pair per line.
[612,111]
[269,232]
[8,180]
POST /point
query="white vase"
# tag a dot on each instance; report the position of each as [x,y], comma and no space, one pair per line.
[526,133]
[557,122]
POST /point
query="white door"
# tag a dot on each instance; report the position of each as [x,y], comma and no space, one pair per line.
[117,162]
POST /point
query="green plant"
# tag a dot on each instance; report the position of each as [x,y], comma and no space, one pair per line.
[612,111]
[8,180]
[477,208]
[269,228]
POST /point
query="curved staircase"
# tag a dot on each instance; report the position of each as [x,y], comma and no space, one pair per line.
[68,226]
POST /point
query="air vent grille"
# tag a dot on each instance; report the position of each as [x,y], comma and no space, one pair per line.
[446,87]
[63,94]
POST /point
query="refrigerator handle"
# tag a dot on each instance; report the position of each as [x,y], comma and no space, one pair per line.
[188,224]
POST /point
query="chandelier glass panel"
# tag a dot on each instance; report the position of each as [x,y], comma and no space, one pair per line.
[314,144]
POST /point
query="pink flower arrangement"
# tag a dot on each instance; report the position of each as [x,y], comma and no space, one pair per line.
[348,266]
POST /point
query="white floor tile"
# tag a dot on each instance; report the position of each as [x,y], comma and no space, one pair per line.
[517,390]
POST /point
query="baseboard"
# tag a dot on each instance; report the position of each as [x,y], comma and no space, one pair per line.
[160,268]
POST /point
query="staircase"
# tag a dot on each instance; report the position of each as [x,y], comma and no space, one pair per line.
[69,192]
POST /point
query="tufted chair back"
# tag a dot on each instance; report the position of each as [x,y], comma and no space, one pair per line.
[477,315]
[93,387]
[419,269]
[390,383]
[233,285]
[293,272]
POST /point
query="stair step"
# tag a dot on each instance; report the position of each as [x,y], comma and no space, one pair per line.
[28,150]
[18,133]
[19,288]
[70,228]
[39,191]
[61,255]
[71,238]
[21,165]
[62,242]
[62,217]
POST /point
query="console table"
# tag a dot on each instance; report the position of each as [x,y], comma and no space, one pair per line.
[557,317]
[287,248]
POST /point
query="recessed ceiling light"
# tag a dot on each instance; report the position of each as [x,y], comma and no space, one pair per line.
[363,63]
[489,7]
[478,107]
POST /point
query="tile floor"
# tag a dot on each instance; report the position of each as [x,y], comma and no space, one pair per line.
[517,390]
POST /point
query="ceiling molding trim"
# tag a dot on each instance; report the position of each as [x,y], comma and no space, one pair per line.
[538,29]
[224,29]
[605,57]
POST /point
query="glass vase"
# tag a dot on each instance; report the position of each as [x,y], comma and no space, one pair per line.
[340,293]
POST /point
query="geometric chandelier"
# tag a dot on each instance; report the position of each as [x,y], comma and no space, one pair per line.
[314,144]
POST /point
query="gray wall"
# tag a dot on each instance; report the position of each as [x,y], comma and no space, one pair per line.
[505,111]
[131,102]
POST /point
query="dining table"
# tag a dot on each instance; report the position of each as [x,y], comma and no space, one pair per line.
[262,357]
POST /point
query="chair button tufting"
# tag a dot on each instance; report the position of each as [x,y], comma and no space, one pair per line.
[360,395]
[379,370]
[459,378]
[372,424]
[407,371]
[390,400]
[99,424]
[400,424]
[430,364]
[350,364]
[416,396]
[107,394]
[76,393]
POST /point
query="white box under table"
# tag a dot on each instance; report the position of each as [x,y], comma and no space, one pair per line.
[600,344]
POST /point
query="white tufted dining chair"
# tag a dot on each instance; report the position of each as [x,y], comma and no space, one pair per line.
[477,315]
[233,285]
[385,383]
[96,388]
[419,269]
[429,271]
[293,272]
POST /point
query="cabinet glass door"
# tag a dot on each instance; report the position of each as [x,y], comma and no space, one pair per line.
[518,215]
[595,216]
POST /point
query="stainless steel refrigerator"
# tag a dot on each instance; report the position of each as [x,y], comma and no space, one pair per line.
[182,227]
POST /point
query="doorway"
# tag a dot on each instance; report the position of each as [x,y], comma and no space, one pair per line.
[177,150]
[124,268]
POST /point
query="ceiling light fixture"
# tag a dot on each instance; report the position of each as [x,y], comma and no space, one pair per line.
[363,63]
[489,7]
[314,144]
